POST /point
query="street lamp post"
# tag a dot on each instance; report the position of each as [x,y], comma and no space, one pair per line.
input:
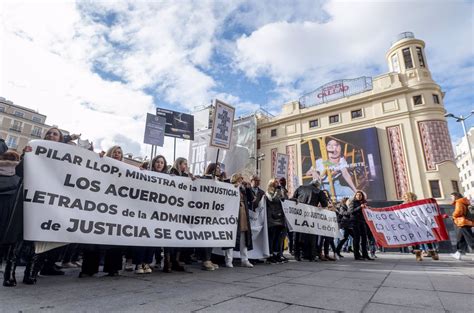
[461,119]
[258,159]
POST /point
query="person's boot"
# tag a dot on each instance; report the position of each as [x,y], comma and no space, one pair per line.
[419,256]
[32,269]
[9,279]
[167,263]
[434,255]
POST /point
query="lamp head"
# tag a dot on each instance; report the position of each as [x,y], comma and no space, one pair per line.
[449,115]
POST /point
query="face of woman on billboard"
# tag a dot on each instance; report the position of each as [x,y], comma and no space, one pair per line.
[333,148]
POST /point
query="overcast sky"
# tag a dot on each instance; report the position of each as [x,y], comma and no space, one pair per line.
[97,68]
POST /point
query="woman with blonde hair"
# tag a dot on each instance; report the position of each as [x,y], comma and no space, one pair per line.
[275,220]
[244,232]
[407,198]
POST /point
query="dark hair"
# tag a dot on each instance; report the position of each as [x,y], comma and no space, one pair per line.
[211,167]
[362,193]
[10,155]
[282,181]
[457,195]
[155,159]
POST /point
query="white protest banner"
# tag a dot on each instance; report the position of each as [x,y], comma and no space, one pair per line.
[258,224]
[406,224]
[222,125]
[308,219]
[281,168]
[73,195]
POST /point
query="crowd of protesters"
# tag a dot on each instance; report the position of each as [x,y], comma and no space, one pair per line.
[355,233]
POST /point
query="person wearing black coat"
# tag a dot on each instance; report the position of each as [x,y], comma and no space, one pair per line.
[309,194]
[356,206]
[275,220]
[345,223]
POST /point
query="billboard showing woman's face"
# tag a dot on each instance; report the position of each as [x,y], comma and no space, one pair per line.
[345,163]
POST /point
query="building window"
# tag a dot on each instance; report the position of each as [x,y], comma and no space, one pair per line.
[435,189]
[12,142]
[469,173]
[37,119]
[313,123]
[467,162]
[472,184]
[2,109]
[417,100]
[455,186]
[273,133]
[36,132]
[395,64]
[465,176]
[436,99]
[420,56]
[258,144]
[407,58]
[19,114]
[16,126]
[258,130]
[334,119]
[356,113]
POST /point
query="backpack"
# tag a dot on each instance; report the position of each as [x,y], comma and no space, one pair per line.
[470,212]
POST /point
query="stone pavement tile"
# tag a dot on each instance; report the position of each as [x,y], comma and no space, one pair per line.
[245,304]
[303,309]
[315,279]
[315,296]
[408,297]
[410,281]
[388,308]
[227,275]
[457,302]
[356,284]
[462,284]
[263,281]
[292,273]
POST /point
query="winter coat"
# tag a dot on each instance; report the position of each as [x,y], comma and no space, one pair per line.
[11,209]
[355,210]
[275,215]
[460,212]
[343,216]
[310,194]
[257,196]
[248,234]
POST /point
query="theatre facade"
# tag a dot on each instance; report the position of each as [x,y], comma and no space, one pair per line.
[384,135]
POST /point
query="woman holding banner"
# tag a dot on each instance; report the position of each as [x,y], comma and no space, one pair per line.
[275,220]
[213,171]
[356,205]
[160,165]
[244,232]
[407,198]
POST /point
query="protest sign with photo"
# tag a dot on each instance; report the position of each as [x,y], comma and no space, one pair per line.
[281,166]
[222,125]
[407,224]
[178,124]
[154,130]
[73,195]
[308,219]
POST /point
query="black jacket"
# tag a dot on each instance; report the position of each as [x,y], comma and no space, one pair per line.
[355,209]
[275,214]
[343,216]
[257,196]
[310,194]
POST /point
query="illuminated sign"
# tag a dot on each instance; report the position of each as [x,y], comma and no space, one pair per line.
[336,90]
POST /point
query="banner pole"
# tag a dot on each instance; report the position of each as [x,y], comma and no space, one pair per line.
[151,158]
[174,150]
[217,161]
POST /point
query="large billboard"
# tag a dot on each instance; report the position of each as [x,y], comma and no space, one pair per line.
[239,159]
[178,125]
[344,163]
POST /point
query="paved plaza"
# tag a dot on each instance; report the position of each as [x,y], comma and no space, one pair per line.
[392,283]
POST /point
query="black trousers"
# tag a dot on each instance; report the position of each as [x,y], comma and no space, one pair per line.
[306,244]
[90,259]
[360,240]
[464,238]
[347,232]
[274,239]
[113,260]
[324,244]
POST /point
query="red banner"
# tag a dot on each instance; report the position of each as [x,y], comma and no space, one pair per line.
[407,224]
